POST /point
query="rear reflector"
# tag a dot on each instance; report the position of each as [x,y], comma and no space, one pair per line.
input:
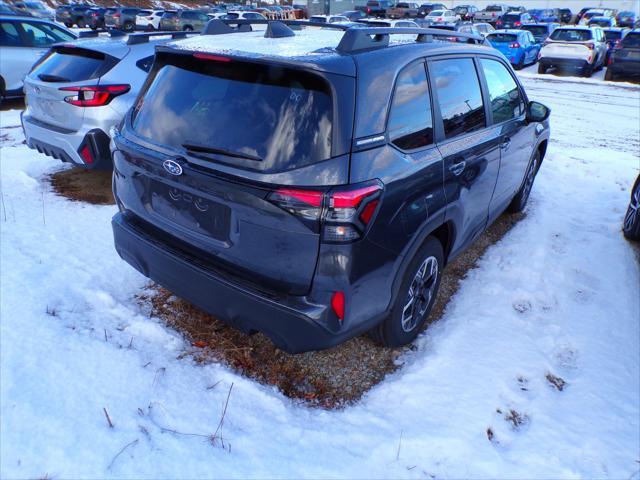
[85,153]
[337,304]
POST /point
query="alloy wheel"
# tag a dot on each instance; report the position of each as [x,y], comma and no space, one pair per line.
[631,217]
[421,291]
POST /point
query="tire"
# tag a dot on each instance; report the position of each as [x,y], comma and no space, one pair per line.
[520,64]
[129,27]
[411,309]
[587,71]
[188,28]
[631,224]
[542,69]
[609,75]
[519,202]
[81,23]
[68,25]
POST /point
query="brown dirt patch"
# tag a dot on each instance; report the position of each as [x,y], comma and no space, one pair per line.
[329,378]
[83,185]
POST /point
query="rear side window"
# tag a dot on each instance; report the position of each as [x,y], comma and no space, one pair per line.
[459,96]
[410,123]
[566,35]
[73,65]
[506,102]
[264,118]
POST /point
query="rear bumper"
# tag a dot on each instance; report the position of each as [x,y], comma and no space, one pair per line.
[290,322]
[564,62]
[65,144]
[625,67]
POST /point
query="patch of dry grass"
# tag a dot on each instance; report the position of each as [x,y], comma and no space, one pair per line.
[82,185]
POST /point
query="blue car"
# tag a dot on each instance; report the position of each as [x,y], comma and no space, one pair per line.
[519,46]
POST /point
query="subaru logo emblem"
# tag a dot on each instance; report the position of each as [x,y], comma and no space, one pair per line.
[173,167]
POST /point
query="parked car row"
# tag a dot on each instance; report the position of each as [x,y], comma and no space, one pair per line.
[309,219]
[502,15]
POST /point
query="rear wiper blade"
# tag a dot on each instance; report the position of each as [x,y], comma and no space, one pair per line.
[197,147]
[45,77]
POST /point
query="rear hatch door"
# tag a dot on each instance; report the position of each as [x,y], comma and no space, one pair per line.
[226,146]
[65,66]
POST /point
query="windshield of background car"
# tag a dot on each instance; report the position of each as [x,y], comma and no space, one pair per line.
[279,118]
[437,13]
[494,8]
[631,40]
[570,35]
[612,35]
[536,30]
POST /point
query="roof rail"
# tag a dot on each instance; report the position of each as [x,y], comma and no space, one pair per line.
[359,39]
[96,33]
[216,26]
[289,23]
[278,30]
[356,38]
[138,38]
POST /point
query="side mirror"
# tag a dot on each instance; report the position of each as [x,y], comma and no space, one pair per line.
[537,112]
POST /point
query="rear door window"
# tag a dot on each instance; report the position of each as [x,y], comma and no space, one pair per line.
[9,36]
[410,120]
[43,35]
[262,118]
[64,64]
[459,96]
[506,101]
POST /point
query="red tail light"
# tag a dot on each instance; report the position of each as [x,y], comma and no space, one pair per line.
[342,214]
[514,45]
[94,96]
[337,304]
[116,15]
[208,56]
[498,22]
[517,24]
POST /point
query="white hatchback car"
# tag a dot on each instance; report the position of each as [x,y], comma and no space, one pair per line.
[23,41]
[148,19]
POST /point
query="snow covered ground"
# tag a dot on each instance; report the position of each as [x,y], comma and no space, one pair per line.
[559,294]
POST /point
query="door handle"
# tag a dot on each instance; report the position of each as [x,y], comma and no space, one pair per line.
[458,168]
[505,144]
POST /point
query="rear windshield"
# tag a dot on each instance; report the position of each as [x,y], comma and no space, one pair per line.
[64,64]
[262,118]
[144,13]
[571,35]
[502,37]
[318,19]
[612,35]
[535,29]
[632,40]
[494,8]
[511,17]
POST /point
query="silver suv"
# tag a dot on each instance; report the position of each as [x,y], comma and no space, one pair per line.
[23,41]
[80,90]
